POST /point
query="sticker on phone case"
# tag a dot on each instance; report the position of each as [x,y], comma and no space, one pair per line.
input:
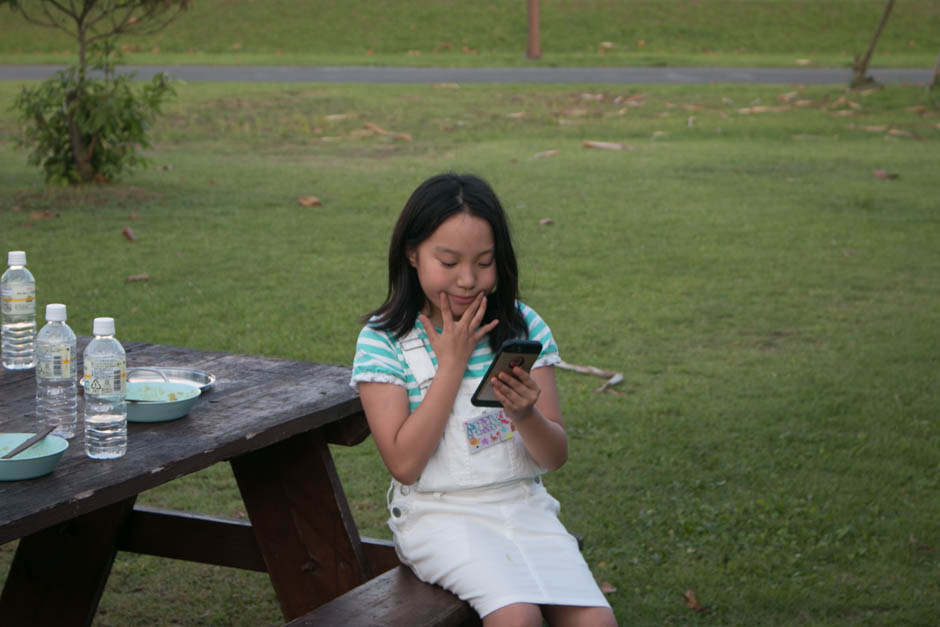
[489,429]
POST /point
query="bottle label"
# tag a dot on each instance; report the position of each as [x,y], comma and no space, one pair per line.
[104,377]
[54,362]
[19,299]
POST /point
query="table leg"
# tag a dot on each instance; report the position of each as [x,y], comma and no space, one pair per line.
[58,574]
[302,522]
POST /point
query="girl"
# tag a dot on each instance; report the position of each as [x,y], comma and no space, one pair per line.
[473,519]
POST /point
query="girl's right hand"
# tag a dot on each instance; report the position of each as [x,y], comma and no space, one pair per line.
[407,439]
[458,338]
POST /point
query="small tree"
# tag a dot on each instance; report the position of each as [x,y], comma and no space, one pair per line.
[936,74]
[860,68]
[86,128]
[934,83]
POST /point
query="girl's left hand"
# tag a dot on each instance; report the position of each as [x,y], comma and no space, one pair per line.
[518,393]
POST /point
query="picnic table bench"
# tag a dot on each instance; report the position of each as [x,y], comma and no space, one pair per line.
[273,421]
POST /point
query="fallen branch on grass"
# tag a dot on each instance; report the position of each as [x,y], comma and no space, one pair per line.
[613,378]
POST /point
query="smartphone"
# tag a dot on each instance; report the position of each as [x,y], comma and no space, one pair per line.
[512,353]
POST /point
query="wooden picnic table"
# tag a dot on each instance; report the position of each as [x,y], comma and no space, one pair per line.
[272,419]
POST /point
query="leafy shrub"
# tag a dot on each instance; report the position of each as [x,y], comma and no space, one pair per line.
[85,128]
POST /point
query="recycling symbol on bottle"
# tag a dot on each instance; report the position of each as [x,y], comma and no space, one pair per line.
[95,385]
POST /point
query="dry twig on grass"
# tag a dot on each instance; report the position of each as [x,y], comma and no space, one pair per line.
[613,378]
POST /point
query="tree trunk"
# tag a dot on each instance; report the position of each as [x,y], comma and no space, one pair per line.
[81,152]
[936,74]
[82,50]
[534,47]
[861,65]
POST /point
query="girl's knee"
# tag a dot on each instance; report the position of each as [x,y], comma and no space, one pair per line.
[515,615]
[575,616]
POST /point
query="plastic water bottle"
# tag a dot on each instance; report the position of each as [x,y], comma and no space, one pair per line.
[105,377]
[56,373]
[18,297]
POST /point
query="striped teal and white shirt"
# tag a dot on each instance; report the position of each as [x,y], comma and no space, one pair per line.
[379,356]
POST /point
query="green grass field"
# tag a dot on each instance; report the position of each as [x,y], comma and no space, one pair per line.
[573,32]
[770,301]
[760,262]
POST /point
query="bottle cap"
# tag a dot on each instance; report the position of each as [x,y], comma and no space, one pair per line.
[104,326]
[16,258]
[55,313]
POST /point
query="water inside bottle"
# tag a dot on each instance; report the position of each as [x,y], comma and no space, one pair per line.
[18,342]
[105,427]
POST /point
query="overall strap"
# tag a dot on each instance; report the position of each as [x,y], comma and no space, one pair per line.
[419,360]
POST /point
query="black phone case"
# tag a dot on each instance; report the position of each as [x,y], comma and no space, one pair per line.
[527,350]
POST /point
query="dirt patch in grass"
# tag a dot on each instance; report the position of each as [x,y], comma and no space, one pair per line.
[57,199]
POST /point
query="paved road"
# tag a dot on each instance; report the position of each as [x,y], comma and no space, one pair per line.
[402,75]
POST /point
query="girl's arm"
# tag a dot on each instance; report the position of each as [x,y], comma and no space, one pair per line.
[531,402]
[407,440]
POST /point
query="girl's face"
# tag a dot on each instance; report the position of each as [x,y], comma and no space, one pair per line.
[457,259]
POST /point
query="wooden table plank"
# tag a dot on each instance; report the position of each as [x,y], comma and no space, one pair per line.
[395,597]
[255,402]
[58,574]
[271,418]
[302,522]
[218,540]
[194,537]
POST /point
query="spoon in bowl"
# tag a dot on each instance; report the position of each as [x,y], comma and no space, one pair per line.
[28,443]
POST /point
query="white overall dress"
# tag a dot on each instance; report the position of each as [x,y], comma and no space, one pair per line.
[478,521]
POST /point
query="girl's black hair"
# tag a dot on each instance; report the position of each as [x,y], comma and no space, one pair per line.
[433,202]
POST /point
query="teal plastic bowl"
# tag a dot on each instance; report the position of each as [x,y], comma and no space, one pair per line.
[157,401]
[38,460]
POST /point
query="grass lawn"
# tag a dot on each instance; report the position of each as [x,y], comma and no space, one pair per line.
[770,300]
[494,33]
